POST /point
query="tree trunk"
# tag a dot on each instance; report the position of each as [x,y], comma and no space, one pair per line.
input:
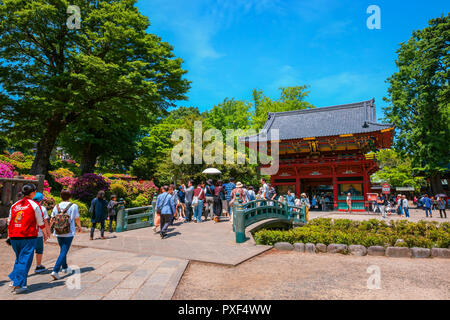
[89,159]
[45,146]
[436,184]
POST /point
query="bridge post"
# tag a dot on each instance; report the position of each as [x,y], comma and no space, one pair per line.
[120,219]
[239,223]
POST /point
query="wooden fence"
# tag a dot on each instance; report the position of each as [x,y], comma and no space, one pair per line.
[10,189]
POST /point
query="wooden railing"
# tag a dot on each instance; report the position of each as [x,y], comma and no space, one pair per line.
[10,188]
[135,218]
[254,211]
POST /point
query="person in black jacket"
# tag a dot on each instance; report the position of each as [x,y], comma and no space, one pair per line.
[99,212]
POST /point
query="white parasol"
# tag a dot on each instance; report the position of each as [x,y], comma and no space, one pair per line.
[211,171]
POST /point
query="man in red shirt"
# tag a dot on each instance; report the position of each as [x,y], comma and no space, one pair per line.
[25,216]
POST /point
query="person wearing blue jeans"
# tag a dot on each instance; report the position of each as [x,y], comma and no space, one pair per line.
[198,211]
[65,239]
[61,262]
[405,206]
[427,203]
[24,250]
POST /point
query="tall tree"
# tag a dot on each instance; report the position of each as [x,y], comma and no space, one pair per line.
[291,98]
[58,75]
[397,170]
[419,97]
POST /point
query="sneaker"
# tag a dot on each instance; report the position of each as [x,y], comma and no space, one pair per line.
[11,284]
[67,271]
[39,269]
[19,290]
[55,275]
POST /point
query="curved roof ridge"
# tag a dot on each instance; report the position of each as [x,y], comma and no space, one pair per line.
[328,108]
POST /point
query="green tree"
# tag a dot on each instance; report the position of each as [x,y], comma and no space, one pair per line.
[292,98]
[58,75]
[419,98]
[230,114]
[397,170]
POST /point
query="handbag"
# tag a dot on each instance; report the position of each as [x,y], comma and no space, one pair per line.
[158,210]
[196,198]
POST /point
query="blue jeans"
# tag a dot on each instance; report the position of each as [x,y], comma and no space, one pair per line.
[24,250]
[198,211]
[406,210]
[64,245]
[39,245]
[426,212]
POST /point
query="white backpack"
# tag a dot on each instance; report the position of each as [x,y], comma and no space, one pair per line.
[195,199]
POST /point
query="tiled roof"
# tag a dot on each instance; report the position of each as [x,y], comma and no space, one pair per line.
[352,118]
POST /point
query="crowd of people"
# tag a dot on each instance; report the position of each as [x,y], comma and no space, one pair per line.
[211,201]
[400,205]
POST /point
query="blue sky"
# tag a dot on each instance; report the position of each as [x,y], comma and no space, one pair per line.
[230,47]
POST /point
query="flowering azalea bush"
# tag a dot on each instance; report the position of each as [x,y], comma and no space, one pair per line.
[7,170]
[87,186]
[17,156]
[64,177]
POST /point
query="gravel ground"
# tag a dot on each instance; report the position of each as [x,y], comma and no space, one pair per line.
[292,275]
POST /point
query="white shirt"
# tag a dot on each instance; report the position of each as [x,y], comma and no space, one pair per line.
[44,211]
[405,203]
[73,212]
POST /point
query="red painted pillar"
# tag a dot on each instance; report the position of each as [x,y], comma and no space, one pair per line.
[366,188]
[335,189]
[298,187]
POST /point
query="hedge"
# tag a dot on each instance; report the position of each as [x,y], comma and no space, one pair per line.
[425,234]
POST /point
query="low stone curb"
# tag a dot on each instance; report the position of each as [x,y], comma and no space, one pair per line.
[357,250]
[360,250]
[284,246]
[398,252]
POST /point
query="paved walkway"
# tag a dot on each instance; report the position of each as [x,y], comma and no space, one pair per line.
[106,275]
[205,242]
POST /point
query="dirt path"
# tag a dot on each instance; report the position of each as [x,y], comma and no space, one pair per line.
[292,275]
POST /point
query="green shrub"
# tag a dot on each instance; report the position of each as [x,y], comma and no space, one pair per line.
[140,201]
[367,233]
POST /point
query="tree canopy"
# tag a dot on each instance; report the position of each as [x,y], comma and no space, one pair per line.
[52,77]
[419,97]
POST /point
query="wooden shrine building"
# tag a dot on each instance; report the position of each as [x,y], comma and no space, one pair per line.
[322,151]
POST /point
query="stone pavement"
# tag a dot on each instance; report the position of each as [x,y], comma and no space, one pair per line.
[107,275]
[205,242]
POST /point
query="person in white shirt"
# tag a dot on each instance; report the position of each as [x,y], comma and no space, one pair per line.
[39,197]
[405,206]
[65,240]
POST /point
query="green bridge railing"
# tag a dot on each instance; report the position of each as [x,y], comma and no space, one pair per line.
[135,218]
[254,211]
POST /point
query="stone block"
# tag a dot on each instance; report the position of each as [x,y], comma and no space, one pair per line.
[337,248]
[398,252]
[284,246]
[376,251]
[440,253]
[320,247]
[420,252]
[310,248]
[300,247]
[357,250]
